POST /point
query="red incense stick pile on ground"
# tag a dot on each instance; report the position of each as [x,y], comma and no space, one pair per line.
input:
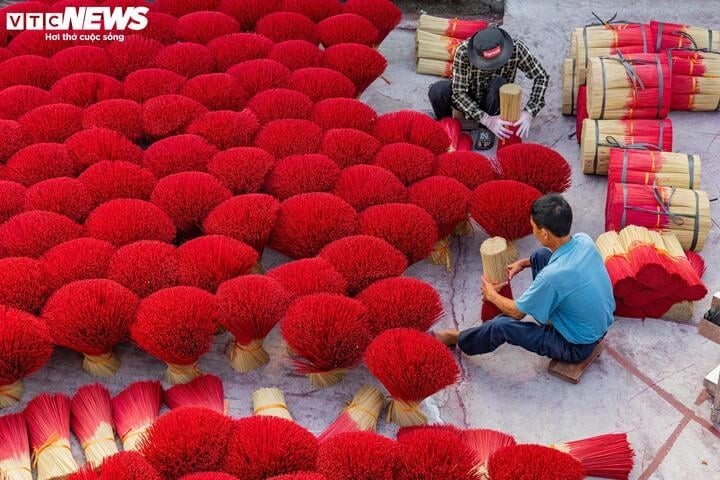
[134,411]
[205,391]
[92,422]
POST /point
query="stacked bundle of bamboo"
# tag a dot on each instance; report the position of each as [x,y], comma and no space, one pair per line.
[647,167]
[673,35]
[650,272]
[695,79]
[599,136]
[436,41]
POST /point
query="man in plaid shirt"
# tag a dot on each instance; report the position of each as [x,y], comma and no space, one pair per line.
[482,64]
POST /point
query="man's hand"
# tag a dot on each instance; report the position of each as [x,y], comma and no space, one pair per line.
[523,123]
[498,126]
[490,290]
[515,268]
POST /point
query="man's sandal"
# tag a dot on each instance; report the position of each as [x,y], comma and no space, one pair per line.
[485,139]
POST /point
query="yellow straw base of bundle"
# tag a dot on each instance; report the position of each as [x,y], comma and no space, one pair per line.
[463,228]
[16,469]
[270,402]
[103,366]
[11,394]
[481,472]
[439,68]
[680,312]
[55,460]
[365,407]
[133,439]
[176,374]
[406,414]
[441,254]
[246,358]
[257,268]
[325,379]
[101,446]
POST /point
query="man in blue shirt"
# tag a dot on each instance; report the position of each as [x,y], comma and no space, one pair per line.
[571,296]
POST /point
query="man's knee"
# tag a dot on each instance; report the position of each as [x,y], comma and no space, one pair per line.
[440,91]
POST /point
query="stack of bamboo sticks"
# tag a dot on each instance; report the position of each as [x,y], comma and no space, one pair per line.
[695,79]
[437,39]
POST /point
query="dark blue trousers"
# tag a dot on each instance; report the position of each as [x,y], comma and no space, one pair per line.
[541,339]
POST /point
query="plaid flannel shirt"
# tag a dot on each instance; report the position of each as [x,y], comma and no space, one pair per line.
[469,83]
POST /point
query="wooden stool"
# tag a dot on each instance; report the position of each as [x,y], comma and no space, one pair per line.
[572,372]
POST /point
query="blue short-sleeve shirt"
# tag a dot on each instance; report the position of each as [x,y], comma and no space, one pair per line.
[573,292]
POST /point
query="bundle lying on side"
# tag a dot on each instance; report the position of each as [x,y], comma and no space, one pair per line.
[439,68]
[695,79]
[629,86]
[134,411]
[533,461]
[452,27]
[14,448]
[673,35]
[91,420]
[436,47]
[361,414]
[648,167]
[604,456]
[598,136]
[48,420]
[205,391]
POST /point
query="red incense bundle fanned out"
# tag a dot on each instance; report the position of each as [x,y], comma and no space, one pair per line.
[134,411]
[353,455]
[128,465]
[315,10]
[31,70]
[144,267]
[12,196]
[411,127]
[176,325]
[263,446]
[25,346]
[62,195]
[107,180]
[202,27]
[95,145]
[226,129]
[30,234]
[363,186]
[250,306]
[283,26]
[48,420]
[283,138]
[434,453]
[124,221]
[179,153]
[534,462]
[92,422]
[296,54]
[360,63]
[502,208]
[605,456]
[33,42]
[186,59]
[484,443]
[279,103]
[343,113]
[167,115]
[187,440]
[235,48]
[242,169]
[247,218]
[14,448]
[401,302]
[360,415]
[91,317]
[207,261]
[217,91]
[410,163]
[298,174]
[259,75]
[160,27]
[16,101]
[142,85]
[135,53]
[188,197]
[86,88]
[25,283]
[13,139]
[327,335]
[348,146]
[309,276]
[309,221]
[406,227]
[320,83]
[412,365]
[363,259]
[38,162]
[347,28]
[537,165]
[384,14]
[52,123]
[248,12]
[469,168]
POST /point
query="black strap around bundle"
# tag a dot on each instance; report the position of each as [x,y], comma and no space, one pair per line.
[608,23]
[691,169]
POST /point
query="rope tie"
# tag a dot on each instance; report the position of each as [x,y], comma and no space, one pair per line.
[270,407]
[5,391]
[611,141]
[55,441]
[454,23]
[96,441]
[355,406]
[134,432]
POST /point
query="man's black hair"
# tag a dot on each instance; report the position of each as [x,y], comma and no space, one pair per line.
[552,212]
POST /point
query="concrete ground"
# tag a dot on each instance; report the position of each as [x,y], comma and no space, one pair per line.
[648,381]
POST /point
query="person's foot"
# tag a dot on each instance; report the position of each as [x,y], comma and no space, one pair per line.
[485,139]
[447,337]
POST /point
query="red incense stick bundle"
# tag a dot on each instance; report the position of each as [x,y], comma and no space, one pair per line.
[484,442]
[533,461]
[354,455]
[604,456]
[48,419]
[205,391]
[134,411]
[361,414]
[14,448]
[452,27]
[92,422]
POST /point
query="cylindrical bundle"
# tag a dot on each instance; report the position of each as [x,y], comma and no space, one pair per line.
[438,47]
[644,248]
[598,136]
[510,102]
[570,86]
[452,27]
[581,111]
[648,167]
[695,103]
[439,68]
[496,254]
[687,85]
[629,87]
[685,275]
[672,35]
[617,263]
[698,63]
[684,212]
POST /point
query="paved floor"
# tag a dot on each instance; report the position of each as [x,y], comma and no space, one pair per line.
[648,381]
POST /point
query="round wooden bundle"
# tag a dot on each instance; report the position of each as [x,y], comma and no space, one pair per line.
[510,102]
[438,47]
[496,254]
[647,167]
[672,35]
[637,86]
[439,68]
[452,27]
[598,136]
[570,86]
[684,212]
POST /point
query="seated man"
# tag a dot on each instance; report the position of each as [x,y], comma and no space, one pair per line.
[570,297]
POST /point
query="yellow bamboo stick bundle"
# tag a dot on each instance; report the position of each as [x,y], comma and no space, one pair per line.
[647,167]
[696,103]
[437,47]
[451,27]
[614,35]
[361,414]
[673,35]
[270,402]
[430,66]
[510,102]
[570,86]
[496,254]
